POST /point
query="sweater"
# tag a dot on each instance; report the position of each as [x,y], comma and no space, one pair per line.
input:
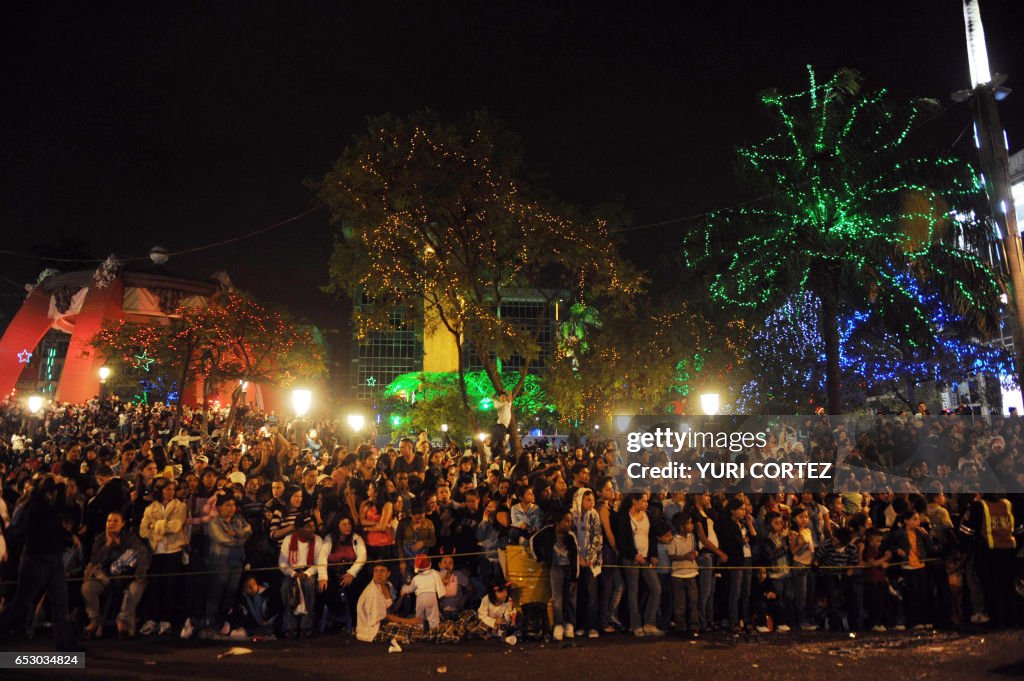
[164,526]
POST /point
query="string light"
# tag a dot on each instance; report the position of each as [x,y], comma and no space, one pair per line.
[858,219]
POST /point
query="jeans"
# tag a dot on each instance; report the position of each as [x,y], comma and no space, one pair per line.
[587,588]
[291,620]
[164,591]
[800,579]
[223,587]
[665,607]
[915,596]
[633,577]
[130,593]
[39,574]
[706,589]
[563,595]
[739,594]
[783,588]
[685,600]
[612,585]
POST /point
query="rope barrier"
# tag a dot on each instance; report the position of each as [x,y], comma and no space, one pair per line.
[272,568]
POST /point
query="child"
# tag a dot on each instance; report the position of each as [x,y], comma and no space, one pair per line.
[776,548]
[662,532]
[836,554]
[801,546]
[498,612]
[256,611]
[556,546]
[876,584]
[429,588]
[682,551]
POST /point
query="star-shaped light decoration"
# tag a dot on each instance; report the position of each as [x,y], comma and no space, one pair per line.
[24,357]
[371,381]
[143,361]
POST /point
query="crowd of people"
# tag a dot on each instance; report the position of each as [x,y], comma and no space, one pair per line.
[137,519]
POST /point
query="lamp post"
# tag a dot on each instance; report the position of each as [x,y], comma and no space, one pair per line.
[710,403]
[302,400]
[104,373]
[444,429]
[356,423]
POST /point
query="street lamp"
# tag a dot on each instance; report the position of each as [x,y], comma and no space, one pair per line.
[35,403]
[301,401]
[710,403]
[444,427]
[356,422]
[104,374]
[481,436]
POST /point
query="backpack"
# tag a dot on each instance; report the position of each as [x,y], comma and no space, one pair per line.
[535,621]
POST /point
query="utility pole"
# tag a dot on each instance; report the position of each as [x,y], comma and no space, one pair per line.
[991,141]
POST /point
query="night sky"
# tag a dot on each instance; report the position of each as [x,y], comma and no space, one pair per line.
[181,123]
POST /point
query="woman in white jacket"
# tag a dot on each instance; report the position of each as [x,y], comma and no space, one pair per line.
[163,524]
[344,551]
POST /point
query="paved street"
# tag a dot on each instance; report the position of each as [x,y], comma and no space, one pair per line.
[799,658]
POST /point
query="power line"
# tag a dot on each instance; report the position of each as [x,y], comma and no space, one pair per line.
[185,251]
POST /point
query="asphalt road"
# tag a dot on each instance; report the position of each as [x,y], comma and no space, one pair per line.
[780,657]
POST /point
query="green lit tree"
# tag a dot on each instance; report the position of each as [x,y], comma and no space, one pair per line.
[432,216]
[424,400]
[854,218]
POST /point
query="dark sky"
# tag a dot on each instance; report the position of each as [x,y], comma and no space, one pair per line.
[181,123]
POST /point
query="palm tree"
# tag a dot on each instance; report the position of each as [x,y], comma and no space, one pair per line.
[851,217]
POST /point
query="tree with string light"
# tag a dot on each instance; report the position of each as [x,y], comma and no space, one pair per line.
[851,217]
[234,339]
[434,217]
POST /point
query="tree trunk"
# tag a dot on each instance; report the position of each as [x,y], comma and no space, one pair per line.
[830,334]
[236,397]
[470,414]
[182,379]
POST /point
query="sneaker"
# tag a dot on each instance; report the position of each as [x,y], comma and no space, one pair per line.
[652,630]
[225,630]
[878,629]
[165,628]
[979,618]
[638,632]
[761,629]
[809,627]
[239,634]
[187,629]
[148,628]
[782,629]
[511,640]
[899,627]
[593,633]
[558,632]
[570,631]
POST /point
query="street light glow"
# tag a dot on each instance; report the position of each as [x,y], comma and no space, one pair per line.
[710,403]
[35,403]
[302,400]
[356,422]
[444,427]
[481,436]
[104,374]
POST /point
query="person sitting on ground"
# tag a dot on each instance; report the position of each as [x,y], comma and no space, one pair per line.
[374,621]
[116,552]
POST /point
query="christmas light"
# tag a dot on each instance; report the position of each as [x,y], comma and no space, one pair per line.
[24,357]
[857,222]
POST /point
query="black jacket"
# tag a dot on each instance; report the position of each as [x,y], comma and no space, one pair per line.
[542,545]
